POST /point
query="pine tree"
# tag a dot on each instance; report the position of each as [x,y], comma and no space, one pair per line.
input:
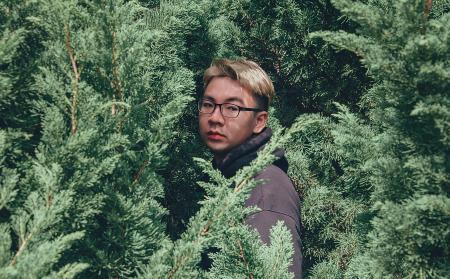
[378,201]
[126,86]
[98,129]
[110,83]
[30,247]
[99,148]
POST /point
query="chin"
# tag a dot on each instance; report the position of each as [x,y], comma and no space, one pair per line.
[218,148]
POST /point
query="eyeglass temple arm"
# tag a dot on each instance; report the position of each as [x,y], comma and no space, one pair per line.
[250,109]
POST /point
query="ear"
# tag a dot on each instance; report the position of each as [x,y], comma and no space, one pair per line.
[261,121]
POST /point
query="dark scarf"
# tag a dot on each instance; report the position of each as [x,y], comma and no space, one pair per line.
[245,153]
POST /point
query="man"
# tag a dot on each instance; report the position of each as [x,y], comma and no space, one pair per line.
[233,115]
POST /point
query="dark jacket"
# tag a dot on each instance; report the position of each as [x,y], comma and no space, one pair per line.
[276,198]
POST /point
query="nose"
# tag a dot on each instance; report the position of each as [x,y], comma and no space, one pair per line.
[216,116]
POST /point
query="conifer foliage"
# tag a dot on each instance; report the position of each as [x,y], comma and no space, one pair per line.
[381,210]
[97,124]
[83,198]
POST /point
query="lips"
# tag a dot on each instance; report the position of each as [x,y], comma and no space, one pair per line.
[215,135]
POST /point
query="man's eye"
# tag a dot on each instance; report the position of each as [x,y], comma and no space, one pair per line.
[232,108]
[207,105]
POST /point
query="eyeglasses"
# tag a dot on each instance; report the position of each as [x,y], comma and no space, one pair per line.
[227,109]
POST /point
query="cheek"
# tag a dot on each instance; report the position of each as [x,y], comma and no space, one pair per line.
[242,128]
[202,123]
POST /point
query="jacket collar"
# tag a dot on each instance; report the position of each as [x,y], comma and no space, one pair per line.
[245,153]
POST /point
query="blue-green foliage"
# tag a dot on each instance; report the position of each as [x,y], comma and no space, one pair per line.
[120,86]
[108,90]
[243,257]
[392,165]
[98,131]
[30,246]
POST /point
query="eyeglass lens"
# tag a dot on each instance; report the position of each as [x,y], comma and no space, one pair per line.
[227,110]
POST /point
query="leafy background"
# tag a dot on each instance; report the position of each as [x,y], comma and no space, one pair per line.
[99,131]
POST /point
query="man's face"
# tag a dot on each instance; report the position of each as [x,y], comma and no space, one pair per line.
[221,134]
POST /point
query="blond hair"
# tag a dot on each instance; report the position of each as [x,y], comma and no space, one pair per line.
[249,74]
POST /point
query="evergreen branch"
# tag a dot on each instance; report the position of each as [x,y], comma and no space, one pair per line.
[21,248]
[7,186]
[24,244]
[163,130]
[177,267]
[426,13]
[159,17]
[116,85]
[360,12]
[428,6]
[242,256]
[202,233]
[73,60]
[236,190]
[138,174]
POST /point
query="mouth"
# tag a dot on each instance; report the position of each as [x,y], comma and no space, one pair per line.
[215,135]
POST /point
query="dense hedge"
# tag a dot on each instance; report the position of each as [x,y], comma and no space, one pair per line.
[98,135]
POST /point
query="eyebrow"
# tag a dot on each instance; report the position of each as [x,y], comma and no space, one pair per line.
[232,99]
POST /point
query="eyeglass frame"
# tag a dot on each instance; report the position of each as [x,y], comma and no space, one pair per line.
[221,111]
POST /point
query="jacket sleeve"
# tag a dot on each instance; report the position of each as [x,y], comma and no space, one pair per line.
[263,222]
